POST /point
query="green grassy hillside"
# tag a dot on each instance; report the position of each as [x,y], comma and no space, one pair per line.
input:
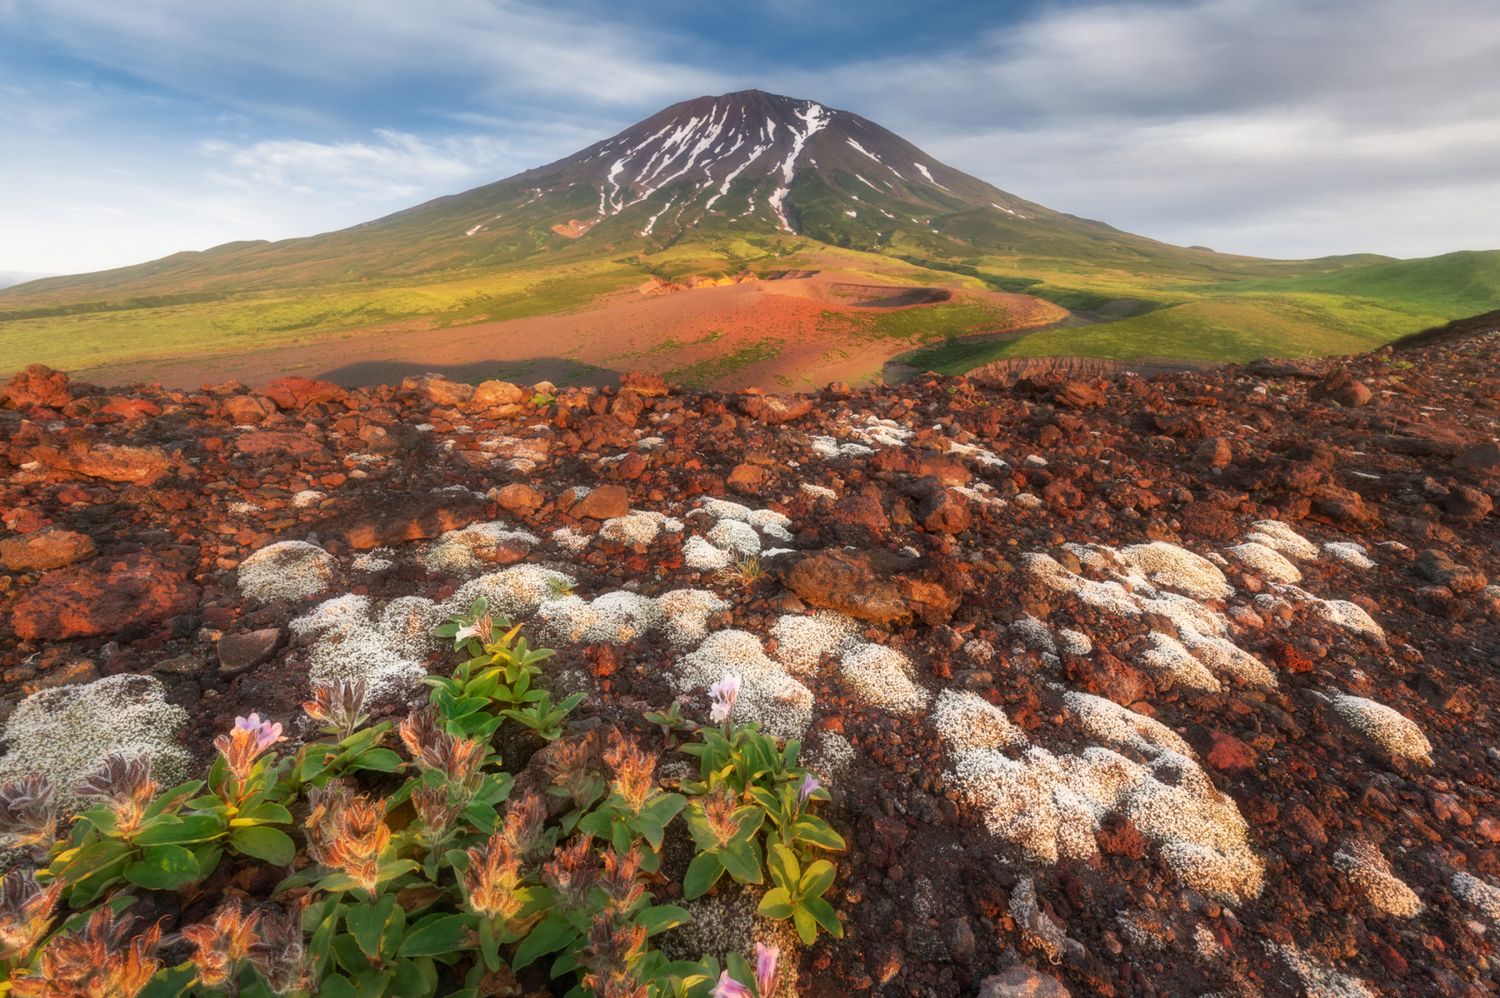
[1343,311]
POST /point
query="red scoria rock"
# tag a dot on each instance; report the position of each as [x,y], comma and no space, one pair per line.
[414,518]
[774,410]
[110,462]
[43,550]
[37,385]
[604,503]
[298,393]
[103,599]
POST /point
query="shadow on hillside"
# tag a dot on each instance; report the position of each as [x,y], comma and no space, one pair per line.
[558,370]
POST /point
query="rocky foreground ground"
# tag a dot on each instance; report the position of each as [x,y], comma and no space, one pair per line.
[1173,686]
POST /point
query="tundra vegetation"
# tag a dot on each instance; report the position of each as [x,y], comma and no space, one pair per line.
[401,859]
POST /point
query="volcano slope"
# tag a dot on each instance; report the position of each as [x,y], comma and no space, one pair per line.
[1171,686]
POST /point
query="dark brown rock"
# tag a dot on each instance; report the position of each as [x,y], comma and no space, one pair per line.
[1436,566]
[103,598]
[863,510]
[1467,504]
[497,395]
[877,586]
[944,511]
[1482,459]
[519,498]
[1021,981]
[1215,452]
[438,390]
[1078,395]
[110,462]
[293,443]
[413,518]
[747,479]
[248,409]
[247,649]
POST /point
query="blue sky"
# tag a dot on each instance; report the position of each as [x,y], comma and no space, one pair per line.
[1275,127]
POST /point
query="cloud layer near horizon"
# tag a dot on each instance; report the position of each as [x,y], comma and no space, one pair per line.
[1274,127]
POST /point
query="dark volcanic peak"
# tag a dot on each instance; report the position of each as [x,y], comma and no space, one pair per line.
[740,155]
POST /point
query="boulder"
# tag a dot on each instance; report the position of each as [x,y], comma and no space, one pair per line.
[413,518]
[604,503]
[1482,459]
[773,410]
[439,390]
[110,462]
[1021,981]
[496,395]
[248,409]
[519,498]
[944,511]
[247,649]
[294,393]
[875,585]
[293,443]
[103,598]
[37,385]
[43,550]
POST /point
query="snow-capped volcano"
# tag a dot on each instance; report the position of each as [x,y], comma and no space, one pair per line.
[746,165]
[750,157]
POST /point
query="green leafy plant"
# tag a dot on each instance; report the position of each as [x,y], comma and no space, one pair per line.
[403,870]
[672,723]
[541,718]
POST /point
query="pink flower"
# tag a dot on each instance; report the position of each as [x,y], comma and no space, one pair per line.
[247,741]
[267,733]
[723,694]
[728,987]
[765,969]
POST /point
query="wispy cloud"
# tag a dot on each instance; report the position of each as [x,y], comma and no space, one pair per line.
[480,50]
[1280,127]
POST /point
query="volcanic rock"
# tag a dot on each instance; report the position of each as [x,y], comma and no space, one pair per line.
[604,503]
[519,498]
[773,410]
[411,518]
[877,586]
[37,385]
[294,393]
[246,650]
[43,550]
[248,409]
[1022,982]
[110,462]
[103,598]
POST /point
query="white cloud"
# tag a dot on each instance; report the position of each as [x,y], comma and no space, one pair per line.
[393,165]
[1274,127]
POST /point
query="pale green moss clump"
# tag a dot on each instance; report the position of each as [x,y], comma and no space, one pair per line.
[63,733]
